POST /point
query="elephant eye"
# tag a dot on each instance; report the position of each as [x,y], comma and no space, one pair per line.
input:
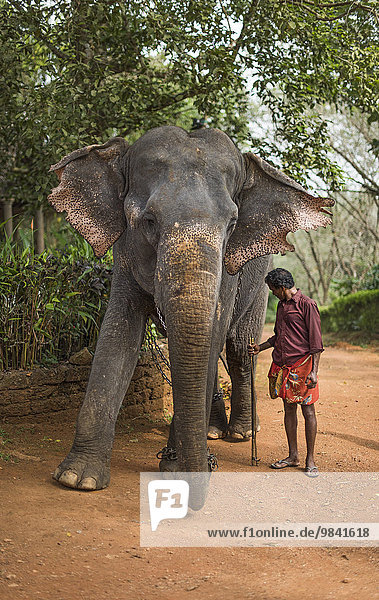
[149,225]
[231,226]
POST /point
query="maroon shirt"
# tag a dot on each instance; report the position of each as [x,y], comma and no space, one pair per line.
[297,330]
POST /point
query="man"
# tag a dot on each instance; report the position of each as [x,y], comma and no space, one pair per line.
[297,347]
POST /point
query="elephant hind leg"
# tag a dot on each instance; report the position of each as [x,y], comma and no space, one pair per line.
[253,297]
[240,427]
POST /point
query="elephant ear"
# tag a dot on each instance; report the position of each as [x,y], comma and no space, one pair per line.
[270,206]
[90,191]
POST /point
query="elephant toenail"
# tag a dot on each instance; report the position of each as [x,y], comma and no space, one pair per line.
[88,483]
[69,479]
[56,474]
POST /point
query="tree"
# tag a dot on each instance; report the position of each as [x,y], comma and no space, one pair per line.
[79,71]
[340,258]
[24,152]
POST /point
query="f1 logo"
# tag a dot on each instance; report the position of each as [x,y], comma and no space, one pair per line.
[168,499]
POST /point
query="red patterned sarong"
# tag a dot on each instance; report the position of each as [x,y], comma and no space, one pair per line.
[291,382]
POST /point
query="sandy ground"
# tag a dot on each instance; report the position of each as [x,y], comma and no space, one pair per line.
[57,543]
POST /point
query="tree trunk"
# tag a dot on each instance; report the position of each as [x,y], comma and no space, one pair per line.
[8,218]
[39,232]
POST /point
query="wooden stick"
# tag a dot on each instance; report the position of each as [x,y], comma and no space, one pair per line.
[254,453]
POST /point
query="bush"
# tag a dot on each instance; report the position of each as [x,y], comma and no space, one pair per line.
[272,305]
[355,312]
[51,305]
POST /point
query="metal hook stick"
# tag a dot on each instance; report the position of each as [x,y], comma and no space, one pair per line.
[254,454]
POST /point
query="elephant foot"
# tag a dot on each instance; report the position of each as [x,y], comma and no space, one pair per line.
[240,436]
[240,433]
[240,428]
[214,433]
[82,472]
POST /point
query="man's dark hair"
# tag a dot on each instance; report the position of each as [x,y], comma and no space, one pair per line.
[280,278]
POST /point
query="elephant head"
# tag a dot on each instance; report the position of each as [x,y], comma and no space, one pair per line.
[186,207]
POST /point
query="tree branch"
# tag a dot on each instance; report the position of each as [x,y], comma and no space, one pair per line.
[320,268]
[311,279]
[358,169]
[352,6]
[344,265]
[226,17]
[38,33]
[354,209]
[171,100]
[246,19]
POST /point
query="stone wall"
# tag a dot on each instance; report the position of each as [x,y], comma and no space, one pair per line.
[44,390]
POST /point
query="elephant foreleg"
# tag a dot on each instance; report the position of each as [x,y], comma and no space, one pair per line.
[87,465]
[218,423]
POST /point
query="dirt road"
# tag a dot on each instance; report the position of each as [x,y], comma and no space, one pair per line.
[56,543]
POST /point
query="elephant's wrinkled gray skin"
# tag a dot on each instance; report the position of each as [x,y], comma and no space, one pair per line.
[193,222]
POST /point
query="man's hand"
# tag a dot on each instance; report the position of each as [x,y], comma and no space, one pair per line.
[253,349]
[311,380]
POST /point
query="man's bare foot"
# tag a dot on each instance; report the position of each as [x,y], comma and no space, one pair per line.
[284,462]
[312,471]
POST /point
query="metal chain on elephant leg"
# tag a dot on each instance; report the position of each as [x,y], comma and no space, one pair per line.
[157,355]
[160,316]
[212,461]
[217,396]
[168,453]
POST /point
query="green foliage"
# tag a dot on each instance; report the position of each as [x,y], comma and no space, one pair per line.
[52,305]
[354,312]
[369,280]
[151,336]
[77,72]
[271,308]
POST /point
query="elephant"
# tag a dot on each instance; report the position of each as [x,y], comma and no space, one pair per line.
[193,223]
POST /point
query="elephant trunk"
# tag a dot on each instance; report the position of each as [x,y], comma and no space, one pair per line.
[190,279]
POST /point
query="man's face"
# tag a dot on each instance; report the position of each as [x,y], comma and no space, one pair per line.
[278,292]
